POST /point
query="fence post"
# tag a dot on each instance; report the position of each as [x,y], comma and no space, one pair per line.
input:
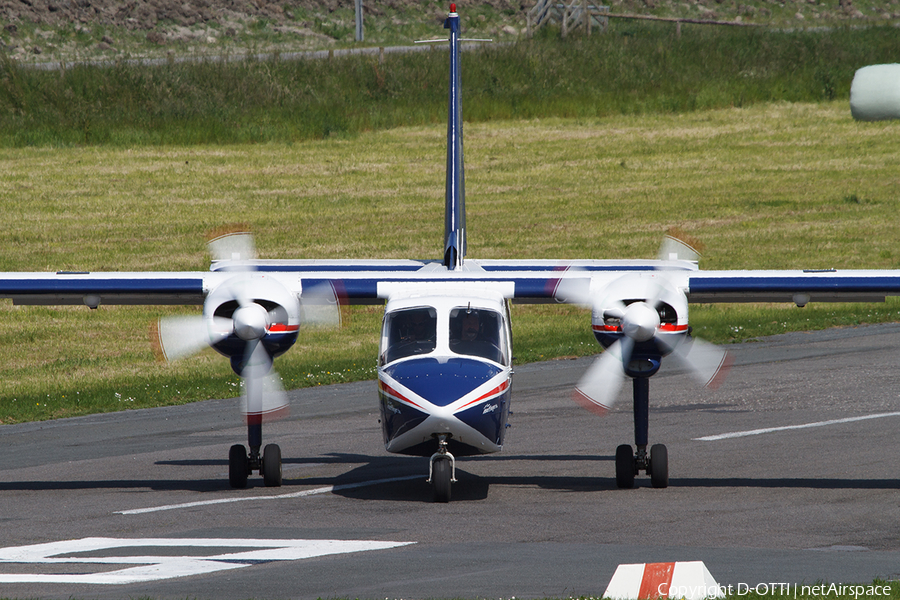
[359,21]
[587,18]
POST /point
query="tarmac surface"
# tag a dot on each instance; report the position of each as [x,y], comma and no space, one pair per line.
[786,474]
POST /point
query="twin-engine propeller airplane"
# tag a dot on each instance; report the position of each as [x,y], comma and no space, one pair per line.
[444,363]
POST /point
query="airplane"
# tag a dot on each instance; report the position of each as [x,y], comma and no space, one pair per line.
[445,353]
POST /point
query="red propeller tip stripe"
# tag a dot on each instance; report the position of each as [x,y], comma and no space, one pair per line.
[585,402]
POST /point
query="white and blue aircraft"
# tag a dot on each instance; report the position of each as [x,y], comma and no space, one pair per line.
[444,363]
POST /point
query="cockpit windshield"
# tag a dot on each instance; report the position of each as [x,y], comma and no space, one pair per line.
[477,333]
[410,331]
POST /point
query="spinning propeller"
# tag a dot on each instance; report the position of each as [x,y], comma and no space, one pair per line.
[630,311]
[250,318]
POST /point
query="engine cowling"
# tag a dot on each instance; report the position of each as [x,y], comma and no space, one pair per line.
[251,307]
[645,307]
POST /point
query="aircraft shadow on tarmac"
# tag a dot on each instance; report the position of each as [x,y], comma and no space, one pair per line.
[407,487]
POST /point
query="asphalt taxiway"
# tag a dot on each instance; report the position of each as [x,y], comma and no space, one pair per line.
[785,474]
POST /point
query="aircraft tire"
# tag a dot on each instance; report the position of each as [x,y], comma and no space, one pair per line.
[440,479]
[659,466]
[625,467]
[238,466]
[271,465]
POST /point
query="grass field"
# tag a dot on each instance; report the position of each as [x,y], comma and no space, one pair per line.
[774,185]
[633,69]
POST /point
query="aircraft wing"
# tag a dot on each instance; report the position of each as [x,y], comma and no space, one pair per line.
[799,287]
[65,287]
[366,282]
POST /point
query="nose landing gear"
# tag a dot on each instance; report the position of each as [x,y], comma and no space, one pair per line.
[442,471]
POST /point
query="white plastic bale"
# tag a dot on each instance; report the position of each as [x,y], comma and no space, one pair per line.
[875,93]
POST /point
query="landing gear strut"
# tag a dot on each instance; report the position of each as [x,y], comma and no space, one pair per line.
[241,464]
[629,463]
[442,471]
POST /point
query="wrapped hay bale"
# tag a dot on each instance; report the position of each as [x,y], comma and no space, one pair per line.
[875,93]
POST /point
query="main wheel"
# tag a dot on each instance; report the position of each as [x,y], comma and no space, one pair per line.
[659,466]
[440,479]
[271,465]
[625,470]
[238,466]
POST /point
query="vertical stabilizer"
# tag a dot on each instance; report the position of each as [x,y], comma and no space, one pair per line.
[455,207]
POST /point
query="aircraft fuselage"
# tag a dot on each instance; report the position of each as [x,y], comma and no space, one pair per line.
[444,372]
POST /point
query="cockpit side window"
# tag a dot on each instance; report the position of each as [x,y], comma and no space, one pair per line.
[477,333]
[410,331]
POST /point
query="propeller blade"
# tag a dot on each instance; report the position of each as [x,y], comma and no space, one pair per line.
[178,337]
[706,362]
[599,387]
[673,248]
[574,290]
[237,246]
[257,362]
[320,306]
[264,399]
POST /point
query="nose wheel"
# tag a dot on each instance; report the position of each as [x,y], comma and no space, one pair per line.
[442,472]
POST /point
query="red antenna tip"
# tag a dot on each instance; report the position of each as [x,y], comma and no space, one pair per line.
[453,7]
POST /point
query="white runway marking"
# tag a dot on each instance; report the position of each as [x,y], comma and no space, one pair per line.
[301,494]
[737,434]
[113,551]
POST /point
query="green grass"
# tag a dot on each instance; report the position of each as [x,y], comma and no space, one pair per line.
[769,186]
[636,68]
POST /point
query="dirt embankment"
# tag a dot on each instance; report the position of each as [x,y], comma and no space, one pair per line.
[145,14]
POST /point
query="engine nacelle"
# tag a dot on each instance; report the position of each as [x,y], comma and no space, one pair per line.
[641,291]
[277,325]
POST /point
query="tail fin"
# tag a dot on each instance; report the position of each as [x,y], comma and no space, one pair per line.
[455,202]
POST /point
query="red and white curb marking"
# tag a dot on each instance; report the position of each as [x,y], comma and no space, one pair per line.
[645,581]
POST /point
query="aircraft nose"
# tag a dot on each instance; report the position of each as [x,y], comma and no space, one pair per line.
[442,382]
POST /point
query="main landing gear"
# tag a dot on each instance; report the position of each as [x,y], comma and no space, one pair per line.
[442,471]
[241,464]
[629,463]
